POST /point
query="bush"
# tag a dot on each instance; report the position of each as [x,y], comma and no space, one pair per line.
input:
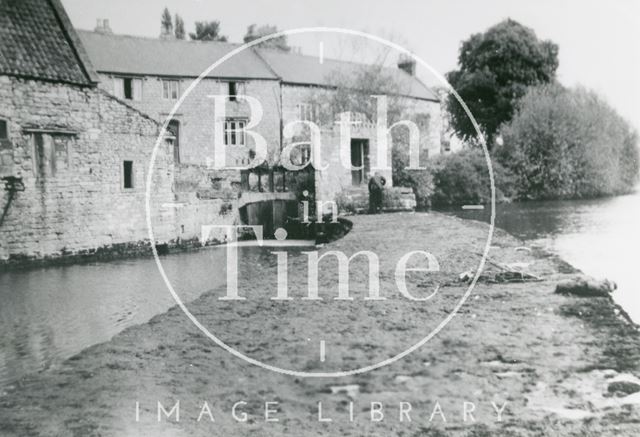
[463,178]
[348,205]
[568,143]
[420,181]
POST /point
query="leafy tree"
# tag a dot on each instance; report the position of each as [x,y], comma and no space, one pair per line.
[254,32]
[463,178]
[495,69]
[207,31]
[569,143]
[351,91]
[179,30]
[166,23]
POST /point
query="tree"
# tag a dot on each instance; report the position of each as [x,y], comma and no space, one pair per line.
[179,30]
[569,143]
[351,90]
[166,27]
[254,32]
[495,70]
[207,31]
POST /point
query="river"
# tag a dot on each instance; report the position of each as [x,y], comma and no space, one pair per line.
[49,314]
[601,237]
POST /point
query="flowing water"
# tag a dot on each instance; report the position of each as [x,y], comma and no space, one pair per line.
[601,237]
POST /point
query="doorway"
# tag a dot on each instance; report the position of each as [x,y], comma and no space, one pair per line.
[360,160]
[174,128]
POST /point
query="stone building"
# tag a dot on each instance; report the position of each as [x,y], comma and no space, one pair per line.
[73,157]
[303,77]
[81,112]
[151,75]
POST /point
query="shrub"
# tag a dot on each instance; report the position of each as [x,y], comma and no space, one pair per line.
[420,181]
[347,204]
[463,178]
[568,143]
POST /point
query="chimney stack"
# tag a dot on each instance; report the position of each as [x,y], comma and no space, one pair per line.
[102,26]
[408,64]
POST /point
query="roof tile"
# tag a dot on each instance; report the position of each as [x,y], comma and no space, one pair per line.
[34,43]
[124,54]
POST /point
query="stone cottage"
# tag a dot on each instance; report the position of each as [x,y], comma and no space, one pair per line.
[151,74]
[81,111]
[73,157]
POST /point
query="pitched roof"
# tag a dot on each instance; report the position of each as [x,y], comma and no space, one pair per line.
[37,41]
[307,70]
[126,54]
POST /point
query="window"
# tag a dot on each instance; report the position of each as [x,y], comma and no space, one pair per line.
[128,88]
[51,153]
[4,130]
[234,134]
[174,129]
[6,149]
[170,89]
[127,174]
[307,112]
[446,145]
[233,91]
[305,154]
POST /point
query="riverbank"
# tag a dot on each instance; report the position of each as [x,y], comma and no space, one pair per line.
[552,359]
[597,236]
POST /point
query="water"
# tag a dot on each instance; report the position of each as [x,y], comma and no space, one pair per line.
[601,237]
[50,314]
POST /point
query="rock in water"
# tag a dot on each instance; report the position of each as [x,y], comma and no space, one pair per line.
[586,286]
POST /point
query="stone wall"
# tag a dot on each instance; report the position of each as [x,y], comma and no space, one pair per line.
[337,178]
[196,113]
[69,144]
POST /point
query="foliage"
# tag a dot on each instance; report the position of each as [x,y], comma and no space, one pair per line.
[302,181]
[352,91]
[179,27]
[569,143]
[421,181]
[207,31]
[348,205]
[495,70]
[463,178]
[166,23]
[254,32]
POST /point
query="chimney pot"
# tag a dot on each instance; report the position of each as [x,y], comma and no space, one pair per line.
[102,26]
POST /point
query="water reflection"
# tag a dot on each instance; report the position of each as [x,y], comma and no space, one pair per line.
[600,237]
[50,314]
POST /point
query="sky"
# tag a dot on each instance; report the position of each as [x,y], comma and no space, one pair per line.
[599,40]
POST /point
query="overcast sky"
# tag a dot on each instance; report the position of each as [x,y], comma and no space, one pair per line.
[599,39]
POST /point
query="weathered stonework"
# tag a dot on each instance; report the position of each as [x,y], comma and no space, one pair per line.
[74,200]
[196,114]
[336,178]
